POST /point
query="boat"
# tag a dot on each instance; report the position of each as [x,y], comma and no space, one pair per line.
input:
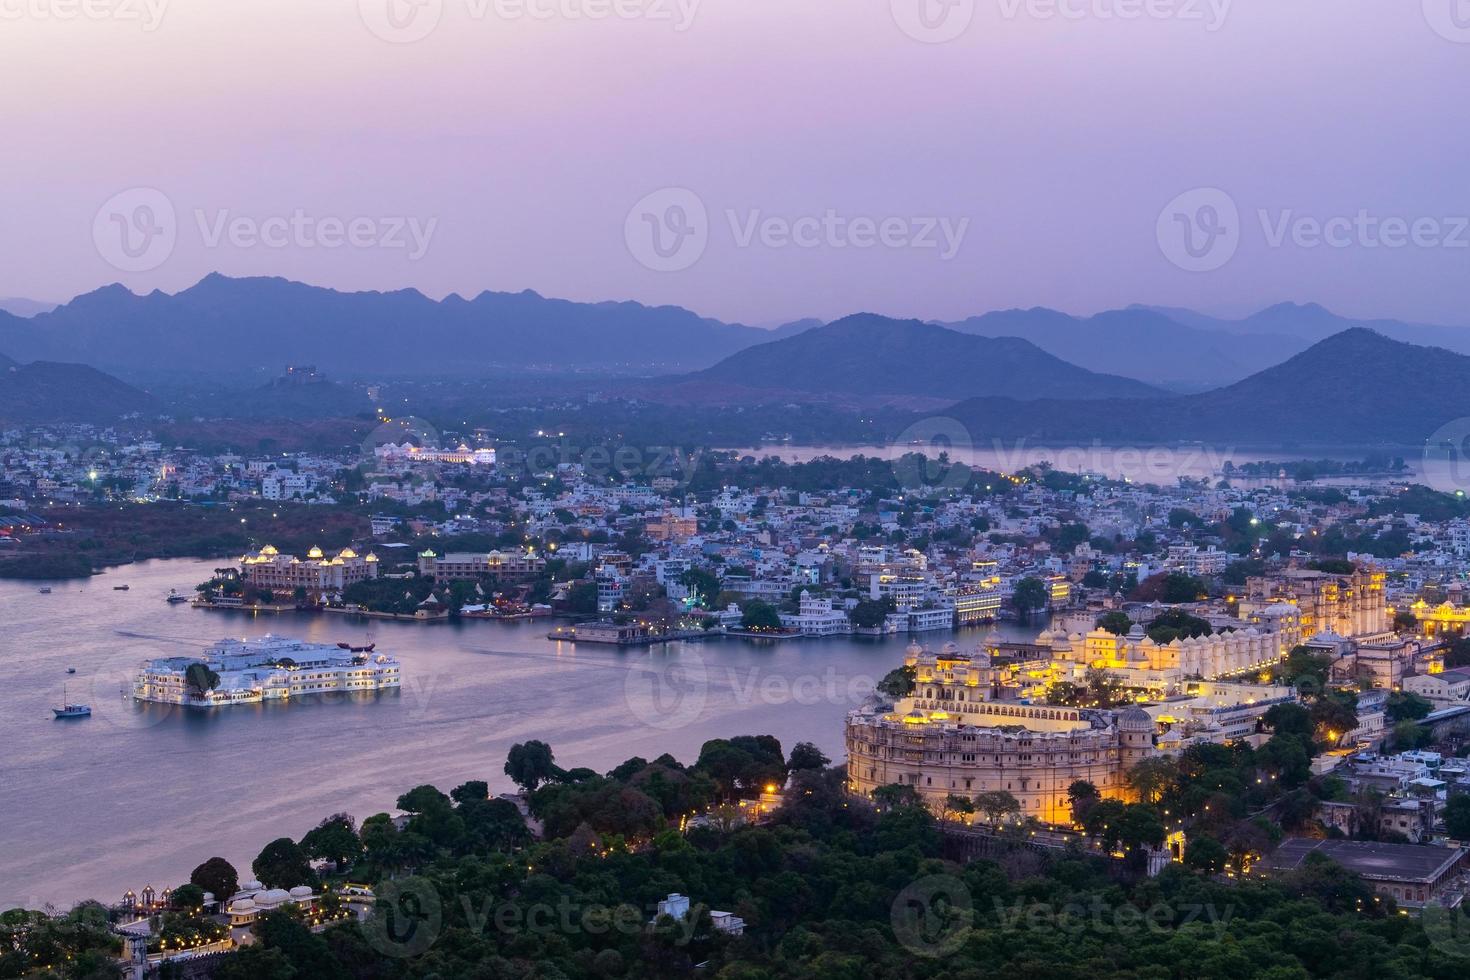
[119,588]
[71,670]
[175,596]
[69,710]
[44,590]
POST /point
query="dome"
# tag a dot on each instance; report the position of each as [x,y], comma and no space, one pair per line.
[274,896]
[242,905]
[314,553]
[300,891]
[913,649]
[1135,719]
[1135,632]
[251,886]
[269,550]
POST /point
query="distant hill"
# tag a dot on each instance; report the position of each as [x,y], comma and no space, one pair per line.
[1355,388]
[235,326]
[1156,346]
[1308,323]
[19,306]
[46,391]
[869,357]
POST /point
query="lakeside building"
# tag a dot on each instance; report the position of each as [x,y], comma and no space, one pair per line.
[964,731]
[1352,605]
[499,566]
[270,668]
[316,573]
[816,617]
[407,452]
[1412,875]
[1162,668]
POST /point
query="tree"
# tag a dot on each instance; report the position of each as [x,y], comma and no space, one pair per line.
[334,839]
[998,806]
[955,805]
[1457,817]
[1083,796]
[529,764]
[1289,719]
[759,616]
[1206,854]
[1177,624]
[1115,622]
[1030,595]
[1151,777]
[1407,705]
[216,876]
[283,864]
[872,613]
[200,679]
[474,789]
[898,683]
[895,795]
[805,755]
[189,897]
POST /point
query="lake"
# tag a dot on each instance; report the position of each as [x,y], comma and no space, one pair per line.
[140,794]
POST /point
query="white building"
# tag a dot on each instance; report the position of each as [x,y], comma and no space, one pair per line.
[817,617]
[271,668]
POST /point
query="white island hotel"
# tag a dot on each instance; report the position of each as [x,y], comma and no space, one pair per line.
[271,668]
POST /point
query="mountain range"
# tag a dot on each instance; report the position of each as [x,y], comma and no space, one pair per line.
[1355,388]
[47,391]
[225,326]
[868,360]
[249,328]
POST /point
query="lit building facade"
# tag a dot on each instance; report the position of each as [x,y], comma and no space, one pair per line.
[963,732]
[271,668]
[316,573]
[498,566]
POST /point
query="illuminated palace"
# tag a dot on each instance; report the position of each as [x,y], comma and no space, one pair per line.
[964,731]
[1348,605]
[1162,669]
[316,573]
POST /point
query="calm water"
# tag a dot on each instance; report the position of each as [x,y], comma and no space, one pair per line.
[1142,464]
[138,795]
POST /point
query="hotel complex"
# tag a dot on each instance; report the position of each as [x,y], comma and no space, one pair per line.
[317,574]
[271,668]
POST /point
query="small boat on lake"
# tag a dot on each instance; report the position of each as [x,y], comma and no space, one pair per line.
[44,590]
[69,710]
[119,588]
[175,597]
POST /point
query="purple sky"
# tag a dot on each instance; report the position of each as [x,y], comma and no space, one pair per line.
[1051,134]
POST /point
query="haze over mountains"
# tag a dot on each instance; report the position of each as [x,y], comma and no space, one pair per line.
[253,326]
[874,359]
[1355,388]
[1288,374]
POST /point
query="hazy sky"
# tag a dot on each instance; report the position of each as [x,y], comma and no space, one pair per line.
[793,157]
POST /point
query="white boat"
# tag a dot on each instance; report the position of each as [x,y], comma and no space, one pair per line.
[69,710]
[175,596]
[44,590]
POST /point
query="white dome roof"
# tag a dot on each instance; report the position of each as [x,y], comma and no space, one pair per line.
[300,891]
[251,886]
[242,905]
[273,897]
